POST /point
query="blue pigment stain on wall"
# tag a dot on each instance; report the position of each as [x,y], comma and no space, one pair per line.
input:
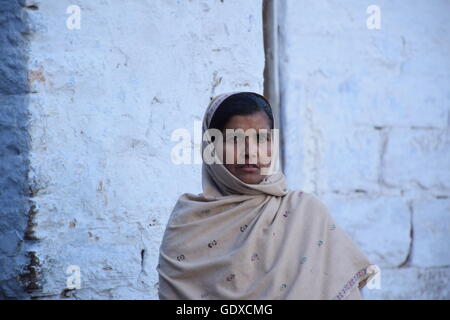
[18,267]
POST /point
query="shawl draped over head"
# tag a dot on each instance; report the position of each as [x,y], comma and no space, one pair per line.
[255,241]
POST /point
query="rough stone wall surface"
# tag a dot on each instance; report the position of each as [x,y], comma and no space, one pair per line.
[367,128]
[86,177]
[102,103]
[16,273]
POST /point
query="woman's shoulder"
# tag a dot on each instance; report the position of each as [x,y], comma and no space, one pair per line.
[187,200]
[308,201]
[189,197]
[306,197]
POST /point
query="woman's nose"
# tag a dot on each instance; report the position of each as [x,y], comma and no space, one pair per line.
[251,148]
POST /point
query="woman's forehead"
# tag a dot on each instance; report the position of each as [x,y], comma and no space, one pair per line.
[257,120]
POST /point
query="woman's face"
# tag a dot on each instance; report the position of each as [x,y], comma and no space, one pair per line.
[256,154]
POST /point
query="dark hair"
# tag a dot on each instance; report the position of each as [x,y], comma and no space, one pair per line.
[243,103]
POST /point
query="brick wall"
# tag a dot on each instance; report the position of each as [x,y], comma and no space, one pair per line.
[367,128]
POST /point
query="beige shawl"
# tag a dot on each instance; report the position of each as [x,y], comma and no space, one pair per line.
[255,241]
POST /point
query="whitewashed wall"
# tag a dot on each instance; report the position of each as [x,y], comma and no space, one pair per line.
[367,123]
[103,102]
[87,116]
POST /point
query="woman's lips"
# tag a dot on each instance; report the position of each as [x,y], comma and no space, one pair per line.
[250,168]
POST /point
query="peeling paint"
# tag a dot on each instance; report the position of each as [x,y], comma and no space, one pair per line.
[30,276]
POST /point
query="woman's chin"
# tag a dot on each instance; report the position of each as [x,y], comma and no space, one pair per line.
[250,178]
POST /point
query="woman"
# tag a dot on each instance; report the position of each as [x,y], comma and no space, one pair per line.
[247,236]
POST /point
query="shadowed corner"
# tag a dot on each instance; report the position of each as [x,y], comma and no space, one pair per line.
[19,263]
